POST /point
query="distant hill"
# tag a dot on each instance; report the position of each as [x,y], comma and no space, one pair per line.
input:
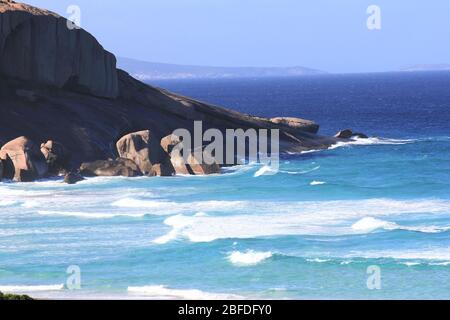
[143,70]
[426,67]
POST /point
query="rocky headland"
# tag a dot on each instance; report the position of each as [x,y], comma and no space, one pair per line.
[65,109]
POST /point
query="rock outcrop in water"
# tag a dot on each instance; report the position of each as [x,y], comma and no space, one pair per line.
[26,159]
[61,85]
[349,134]
[297,124]
[146,151]
[172,144]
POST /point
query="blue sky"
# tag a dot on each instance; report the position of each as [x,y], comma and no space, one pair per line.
[330,35]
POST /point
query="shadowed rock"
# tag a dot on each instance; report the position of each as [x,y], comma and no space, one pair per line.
[56,157]
[110,168]
[72,178]
[28,162]
[344,134]
[348,134]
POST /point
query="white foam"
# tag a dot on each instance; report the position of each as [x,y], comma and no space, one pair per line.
[27,289]
[370,224]
[169,207]
[411,264]
[300,218]
[301,172]
[265,170]
[136,203]
[162,292]
[172,235]
[8,203]
[30,204]
[248,258]
[90,215]
[317,183]
[310,151]
[445,263]
[200,214]
[371,141]
[355,141]
[318,260]
[22,192]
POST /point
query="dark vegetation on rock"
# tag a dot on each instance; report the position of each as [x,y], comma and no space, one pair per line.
[15,297]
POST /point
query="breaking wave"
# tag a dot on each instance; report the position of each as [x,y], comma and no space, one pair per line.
[248,258]
[369,224]
[301,218]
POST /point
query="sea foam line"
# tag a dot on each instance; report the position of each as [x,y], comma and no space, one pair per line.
[90,215]
[371,141]
[437,256]
[26,289]
[162,292]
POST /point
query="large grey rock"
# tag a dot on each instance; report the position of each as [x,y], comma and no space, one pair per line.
[110,168]
[348,134]
[297,123]
[146,151]
[37,46]
[73,177]
[344,134]
[28,162]
[189,165]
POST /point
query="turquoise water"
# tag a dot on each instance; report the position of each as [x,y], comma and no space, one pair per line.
[310,231]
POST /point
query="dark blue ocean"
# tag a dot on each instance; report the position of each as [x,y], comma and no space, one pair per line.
[363,220]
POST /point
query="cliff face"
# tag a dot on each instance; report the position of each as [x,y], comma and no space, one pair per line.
[60,84]
[36,46]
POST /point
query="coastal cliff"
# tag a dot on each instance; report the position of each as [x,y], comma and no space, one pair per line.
[60,85]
